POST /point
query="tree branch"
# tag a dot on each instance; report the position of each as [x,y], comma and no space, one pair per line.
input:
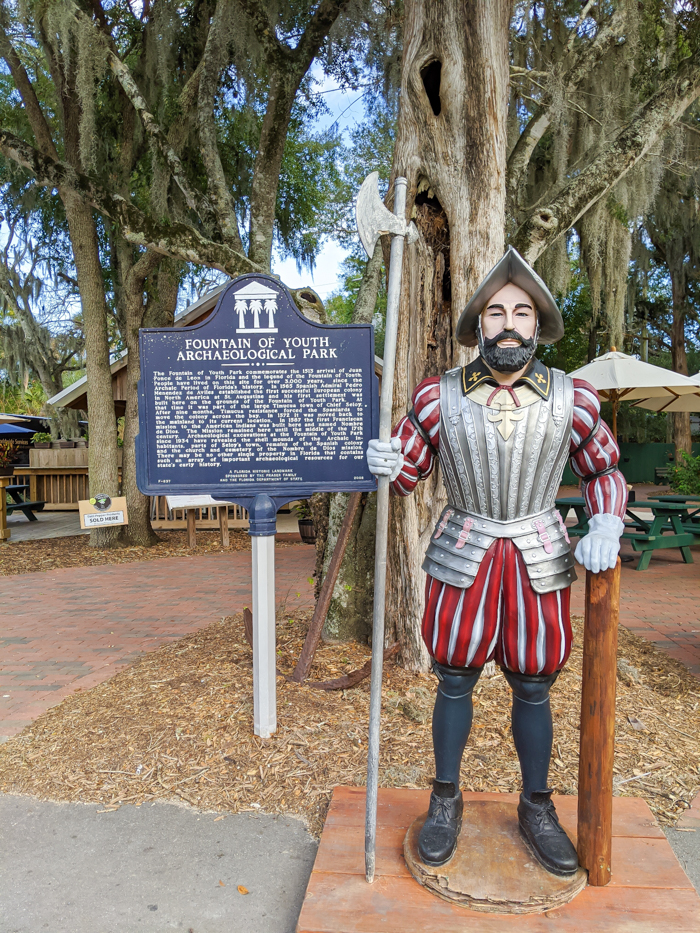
[153,130]
[316,31]
[321,23]
[32,107]
[545,224]
[572,68]
[178,240]
[214,59]
[258,17]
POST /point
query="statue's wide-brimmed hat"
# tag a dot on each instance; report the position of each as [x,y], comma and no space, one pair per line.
[512,268]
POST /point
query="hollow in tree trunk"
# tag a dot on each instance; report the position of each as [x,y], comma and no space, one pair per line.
[451,146]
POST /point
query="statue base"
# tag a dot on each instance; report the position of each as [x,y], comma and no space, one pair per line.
[492,869]
[649,891]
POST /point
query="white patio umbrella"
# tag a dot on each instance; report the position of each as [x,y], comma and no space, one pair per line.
[9,419]
[689,402]
[618,376]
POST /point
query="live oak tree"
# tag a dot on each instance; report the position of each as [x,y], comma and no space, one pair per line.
[165,133]
[30,348]
[470,164]
[673,228]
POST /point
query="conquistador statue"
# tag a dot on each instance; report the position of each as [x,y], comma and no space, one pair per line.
[499,565]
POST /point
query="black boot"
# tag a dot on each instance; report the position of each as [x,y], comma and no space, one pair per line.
[540,828]
[438,837]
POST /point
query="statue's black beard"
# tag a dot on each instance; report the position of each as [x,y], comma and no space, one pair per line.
[507,359]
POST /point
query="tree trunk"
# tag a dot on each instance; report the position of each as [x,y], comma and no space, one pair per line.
[102,457]
[349,616]
[158,313]
[451,146]
[268,162]
[675,257]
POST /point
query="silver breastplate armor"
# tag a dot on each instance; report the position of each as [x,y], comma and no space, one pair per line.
[502,465]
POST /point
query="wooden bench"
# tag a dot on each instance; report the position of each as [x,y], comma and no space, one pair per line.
[29,508]
[661,474]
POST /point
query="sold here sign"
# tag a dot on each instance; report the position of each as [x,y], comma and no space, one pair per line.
[101,511]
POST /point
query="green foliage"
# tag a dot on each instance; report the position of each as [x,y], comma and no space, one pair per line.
[340,306]
[571,351]
[684,477]
[8,452]
[41,437]
[16,400]
[308,180]
[303,509]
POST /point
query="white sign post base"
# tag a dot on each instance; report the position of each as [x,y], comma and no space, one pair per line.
[264,642]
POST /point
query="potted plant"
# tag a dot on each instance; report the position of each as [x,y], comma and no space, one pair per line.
[41,439]
[8,455]
[66,445]
[307,529]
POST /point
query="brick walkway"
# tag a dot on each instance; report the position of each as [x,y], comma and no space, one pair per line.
[70,629]
[662,603]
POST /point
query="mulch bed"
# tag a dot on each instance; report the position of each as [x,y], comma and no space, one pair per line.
[75,551]
[177,724]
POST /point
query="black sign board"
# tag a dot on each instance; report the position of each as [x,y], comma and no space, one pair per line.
[255,400]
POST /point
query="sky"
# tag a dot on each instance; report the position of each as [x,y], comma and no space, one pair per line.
[346,108]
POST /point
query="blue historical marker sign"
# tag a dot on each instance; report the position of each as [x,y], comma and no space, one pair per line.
[256,400]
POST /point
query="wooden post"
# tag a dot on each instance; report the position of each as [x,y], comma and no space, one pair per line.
[223,525]
[4,530]
[595,773]
[313,636]
[191,527]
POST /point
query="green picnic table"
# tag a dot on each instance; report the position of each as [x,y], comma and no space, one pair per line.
[691,521]
[672,526]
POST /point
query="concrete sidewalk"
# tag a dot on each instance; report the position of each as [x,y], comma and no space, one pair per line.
[69,868]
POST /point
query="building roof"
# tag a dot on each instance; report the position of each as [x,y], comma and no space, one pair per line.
[73,392]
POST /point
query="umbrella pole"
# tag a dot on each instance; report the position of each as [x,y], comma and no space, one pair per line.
[615,406]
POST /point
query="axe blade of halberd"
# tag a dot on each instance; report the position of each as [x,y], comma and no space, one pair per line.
[375,219]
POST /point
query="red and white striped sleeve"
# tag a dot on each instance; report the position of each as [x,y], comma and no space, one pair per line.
[594,451]
[418,456]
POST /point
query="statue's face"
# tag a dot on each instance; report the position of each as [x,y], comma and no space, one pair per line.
[508,330]
[510,308]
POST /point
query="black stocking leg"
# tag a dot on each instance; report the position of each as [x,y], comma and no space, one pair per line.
[532,733]
[532,727]
[452,720]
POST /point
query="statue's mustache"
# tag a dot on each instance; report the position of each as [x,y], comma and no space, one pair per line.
[508,335]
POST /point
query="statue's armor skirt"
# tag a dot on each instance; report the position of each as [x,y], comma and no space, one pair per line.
[503,484]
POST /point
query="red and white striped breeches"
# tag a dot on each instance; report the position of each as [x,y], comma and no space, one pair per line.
[499,617]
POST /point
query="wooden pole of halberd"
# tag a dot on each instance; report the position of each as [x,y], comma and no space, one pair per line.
[595,775]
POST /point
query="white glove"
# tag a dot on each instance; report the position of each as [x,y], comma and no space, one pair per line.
[598,549]
[385,459]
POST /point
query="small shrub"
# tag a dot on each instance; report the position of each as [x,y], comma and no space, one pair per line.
[41,437]
[8,452]
[684,477]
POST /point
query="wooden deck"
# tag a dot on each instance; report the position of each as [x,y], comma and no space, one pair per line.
[649,890]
